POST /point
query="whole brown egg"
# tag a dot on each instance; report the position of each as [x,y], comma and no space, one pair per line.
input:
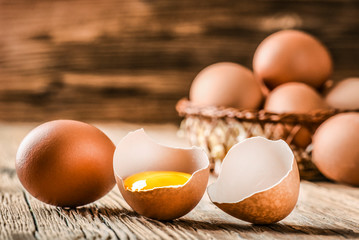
[297,98]
[226,84]
[344,94]
[292,56]
[66,163]
[335,148]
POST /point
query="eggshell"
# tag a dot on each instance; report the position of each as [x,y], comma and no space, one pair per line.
[336,148]
[226,84]
[296,98]
[66,163]
[292,56]
[344,95]
[259,181]
[138,153]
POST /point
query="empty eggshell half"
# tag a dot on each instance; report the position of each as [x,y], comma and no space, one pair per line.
[137,153]
[259,181]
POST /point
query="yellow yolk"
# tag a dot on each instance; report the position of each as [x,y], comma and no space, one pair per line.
[152,179]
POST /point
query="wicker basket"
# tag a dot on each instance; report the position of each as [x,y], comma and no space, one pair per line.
[218,129]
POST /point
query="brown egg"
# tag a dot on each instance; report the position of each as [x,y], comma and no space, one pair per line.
[295,98]
[66,163]
[344,95]
[336,148]
[137,153]
[259,181]
[226,84]
[292,56]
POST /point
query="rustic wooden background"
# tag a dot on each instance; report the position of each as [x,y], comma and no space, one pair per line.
[132,60]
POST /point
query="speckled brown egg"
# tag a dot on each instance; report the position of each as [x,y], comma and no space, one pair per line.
[259,181]
[292,56]
[66,163]
[336,148]
[226,84]
[296,98]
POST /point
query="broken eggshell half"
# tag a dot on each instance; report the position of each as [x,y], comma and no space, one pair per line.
[137,153]
[259,181]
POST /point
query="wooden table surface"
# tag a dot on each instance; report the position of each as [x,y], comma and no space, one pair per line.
[324,210]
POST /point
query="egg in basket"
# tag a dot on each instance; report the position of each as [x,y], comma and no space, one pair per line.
[288,96]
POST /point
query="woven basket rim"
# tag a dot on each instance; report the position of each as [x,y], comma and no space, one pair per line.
[186,108]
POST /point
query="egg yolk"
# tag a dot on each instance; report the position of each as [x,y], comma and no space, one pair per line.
[152,179]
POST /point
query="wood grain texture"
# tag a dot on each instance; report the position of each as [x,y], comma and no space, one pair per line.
[132,60]
[324,211]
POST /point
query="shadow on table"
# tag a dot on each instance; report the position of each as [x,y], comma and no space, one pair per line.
[277,227]
[221,226]
[95,211]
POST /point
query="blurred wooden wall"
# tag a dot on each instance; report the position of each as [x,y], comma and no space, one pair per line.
[132,60]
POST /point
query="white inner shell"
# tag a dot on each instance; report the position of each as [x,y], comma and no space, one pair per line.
[254,165]
[136,153]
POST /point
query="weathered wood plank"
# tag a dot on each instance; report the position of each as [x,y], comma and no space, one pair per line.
[79,96]
[80,54]
[324,211]
[16,220]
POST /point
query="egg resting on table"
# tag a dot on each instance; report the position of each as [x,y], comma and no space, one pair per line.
[336,148]
[66,163]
